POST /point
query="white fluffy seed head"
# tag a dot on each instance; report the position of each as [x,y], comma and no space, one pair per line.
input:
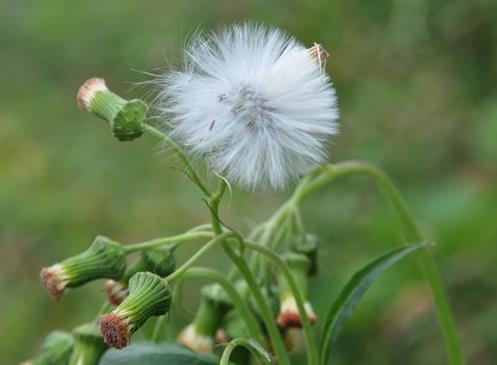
[254,102]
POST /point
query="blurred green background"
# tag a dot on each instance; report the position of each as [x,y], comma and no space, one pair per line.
[417,88]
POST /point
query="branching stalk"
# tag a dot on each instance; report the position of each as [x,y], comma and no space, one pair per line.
[411,232]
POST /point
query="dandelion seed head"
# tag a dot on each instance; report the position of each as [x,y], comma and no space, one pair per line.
[254,102]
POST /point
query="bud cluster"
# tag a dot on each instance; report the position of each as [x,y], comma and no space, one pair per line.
[139,291]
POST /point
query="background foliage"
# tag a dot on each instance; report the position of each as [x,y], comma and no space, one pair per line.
[417,88]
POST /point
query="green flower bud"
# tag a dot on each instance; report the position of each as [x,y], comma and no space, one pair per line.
[56,349]
[149,295]
[125,116]
[89,346]
[103,259]
[199,335]
[289,316]
[160,261]
[308,245]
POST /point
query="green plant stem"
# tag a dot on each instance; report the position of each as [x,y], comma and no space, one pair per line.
[159,325]
[229,288]
[267,316]
[201,252]
[412,234]
[249,345]
[312,354]
[181,154]
[147,245]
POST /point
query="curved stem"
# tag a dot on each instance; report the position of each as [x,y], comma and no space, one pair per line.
[258,352]
[312,354]
[229,288]
[181,154]
[192,260]
[265,310]
[147,245]
[411,234]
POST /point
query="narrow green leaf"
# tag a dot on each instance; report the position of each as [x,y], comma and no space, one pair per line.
[353,291]
[147,353]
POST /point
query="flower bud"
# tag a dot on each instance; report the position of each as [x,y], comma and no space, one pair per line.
[192,338]
[56,349]
[199,335]
[115,291]
[308,245]
[125,116]
[89,346]
[103,259]
[160,261]
[289,316]
[149,295]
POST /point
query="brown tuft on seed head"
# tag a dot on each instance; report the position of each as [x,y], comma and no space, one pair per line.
[87,91]
[115,330]
[53,279]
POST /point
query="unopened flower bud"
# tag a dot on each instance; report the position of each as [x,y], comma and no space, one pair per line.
[289,316]
[89,346]
[56,349]
[125,116]
[308,245]
[199,335]
[115,291]
[103,259]
[160,261]
[149,295]
[192,338]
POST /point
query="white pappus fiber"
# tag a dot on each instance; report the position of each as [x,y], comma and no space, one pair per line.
[253,102]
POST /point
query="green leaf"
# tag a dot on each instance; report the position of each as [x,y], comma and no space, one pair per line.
[147,353]
[350,295]
[250,344]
